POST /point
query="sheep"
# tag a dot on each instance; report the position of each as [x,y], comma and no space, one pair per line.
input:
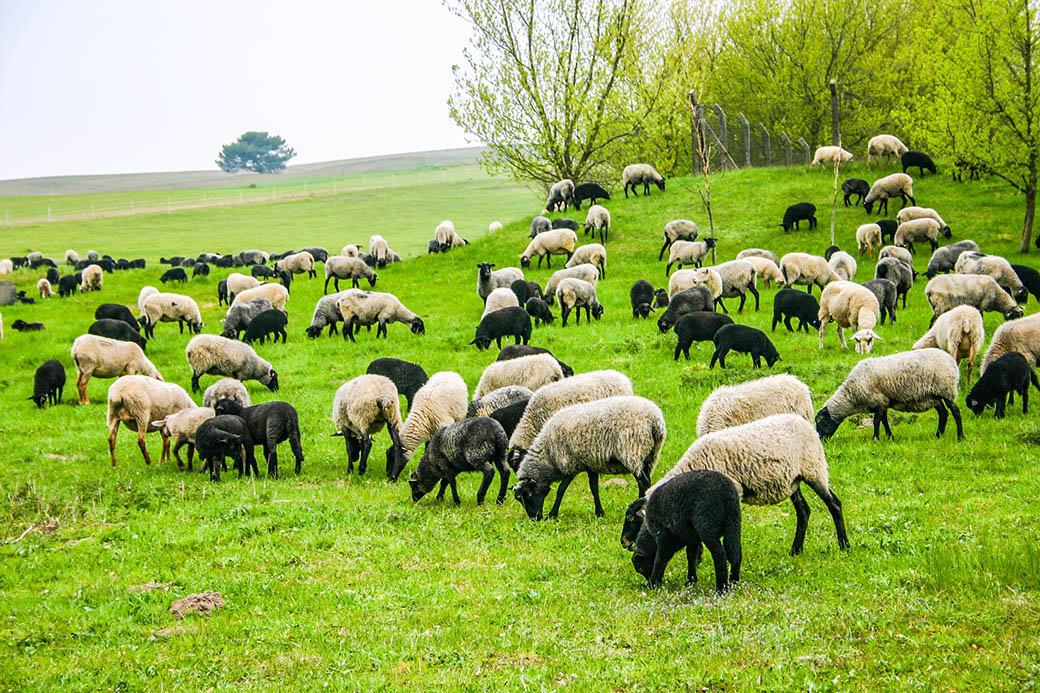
[509,416]
[699,326]
[44,288]
[746,340]
[556,242]
[362,308]
[843,265]
[767,459]
[758,252]
[67,285]
[210,354]
[592,254]
[92,279]
[515,351]
[253,257]
[1006,375]
[978,290]
[561,194]
[165,307]
[616,435]
[547,400]
[688,253]
[910,213]
[885,292]
[433,247]
[789,303]
[641,296]
[524,290]
[71,257]
[138,401]
[238,282]
[588,191]
[222,293]
[576,293]
[899,253]
[854,186]
[142,296]
[496,399]
[737,277]
[489,279]
[850,305]
[922,161]
[697,507]
[269,424]
[587,273]
[678,230]
[895,185]
[438,403]
[661,299]
[565,223]
[226,388]
[888,229]
[177,274]
[269,322]
[539,310]
[494,227]
[635,174]
[533,372]
[539,224]
[996,267]
[696,298]
[407,377]
[225,436]
[361,408]
[766,269]
[897,272]
[1030,279]
[326,312]
[513,321]
[945,259]
[884,147]
[23,326]
[1021,335]
[729,406]
[48,383]
[868,236]
[471,445]
[379,249]
[598,219]
[351,250]
[100,357]
[241,314]
[830,155]
[958,332]
[297,263]
[499,298]
[201,269]
[53,275]
[117,329]
[917,230]
[686,278]
[801,211]
[180,427]
[805,269]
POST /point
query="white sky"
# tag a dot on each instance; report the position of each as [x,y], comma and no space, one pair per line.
[124,86]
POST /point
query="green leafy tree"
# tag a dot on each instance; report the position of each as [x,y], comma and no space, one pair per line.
[258,152]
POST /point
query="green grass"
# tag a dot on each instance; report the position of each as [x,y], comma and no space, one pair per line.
[339,580]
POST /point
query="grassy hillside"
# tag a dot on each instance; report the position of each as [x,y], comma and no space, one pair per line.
[340,580]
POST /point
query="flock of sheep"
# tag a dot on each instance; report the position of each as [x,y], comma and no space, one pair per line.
[531,416]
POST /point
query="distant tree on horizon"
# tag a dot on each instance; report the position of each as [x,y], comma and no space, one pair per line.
[258,152]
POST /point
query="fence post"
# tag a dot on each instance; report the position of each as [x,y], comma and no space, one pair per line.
[698,165]
[745,129]
[834,112]
[805,149]
[787,147]
[766,145]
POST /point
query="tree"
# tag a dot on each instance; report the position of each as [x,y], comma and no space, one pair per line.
[255,151]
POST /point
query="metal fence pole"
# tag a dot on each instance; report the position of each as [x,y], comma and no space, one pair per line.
[745,128]
[765,144]
[787,147]
[805,148]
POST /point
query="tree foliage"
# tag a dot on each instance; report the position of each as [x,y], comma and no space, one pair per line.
[258,152]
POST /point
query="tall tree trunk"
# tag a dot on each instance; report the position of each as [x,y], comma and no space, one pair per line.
[1027,223]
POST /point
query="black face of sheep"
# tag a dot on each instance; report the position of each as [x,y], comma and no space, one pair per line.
[532,496]
[1014,313]
[272,384]
[421,485]
[418,327]
[433,246]
[525,261]
[482,343]
[633,522]
[826,425]
[314,332]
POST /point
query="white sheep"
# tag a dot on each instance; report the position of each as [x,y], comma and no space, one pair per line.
[1022,335]
[101,357]
[843,265]
[868,237]
[678,230]
[577,294]
[899,253]
[686,278]
[884,147]
[996,267]
[765,268]
[894,185]
[210,354]
[35,256]
[917,231]
[44,287]
[978,290]
[915,212]
[591,254]
[690,253]
[532,372]
[6,267]
[361,408]
[441,401]
[180,427]
[734,405]
[758,252]
[277,294]
[494,227]
[363,308]
[641,174]
[598,219]
[852,305]
[167,307]
[499,298]
[226,388]
[737,277]
[496,399]
[71,257]
[351,250]
[587,273]
[142,295]
[560,195]
[829,155]
[92,279]
[958,332]
[805,269]
[238,282]
[342,267]
[297,263]
[554,242]
[138,401]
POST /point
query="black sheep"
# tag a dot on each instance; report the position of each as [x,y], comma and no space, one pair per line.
[698,507]
[477,444]
[222,293]
[226,261]
[514,321]
[67,285]
[1030,279]
[177,274]
[661,299]
[225,436]
[263,272]
[23,326]
[687,301]
[200,269]
[509,415]
[138,263]
[433,246]
[46,262]
[589,191]
[122,264]
[791,303]
[888,229]
[48,383]
[53,275]
[173,261]
[1002,379]
[268,322]
[407,377]
[699,326]
[802,211]
[116,311]
[515,351]
[897,272]
[524,290]
[539,310]
[831,249]
[746,340]
[106,264]
[919,159]
[961,165]
[117,329]
[269,424]
[565,223]
[854,186]
[187,262]
[22,298]
[641,295]
[20,261]
[886,294]
[319,254]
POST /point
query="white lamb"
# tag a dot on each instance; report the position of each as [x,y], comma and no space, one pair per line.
[101,357]
[554,242]
[958,332]
[884,147]
[850,305]
[830,155]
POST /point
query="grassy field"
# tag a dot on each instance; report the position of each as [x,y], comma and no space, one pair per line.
[337,580]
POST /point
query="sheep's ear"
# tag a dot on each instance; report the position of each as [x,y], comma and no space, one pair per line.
[157,424]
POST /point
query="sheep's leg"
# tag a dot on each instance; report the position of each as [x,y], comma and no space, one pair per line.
[823,329]
[165,455]
[294,443]
[956,418]
[1025,396]
[215,464]
[801,513]
[559,496]
[693,559]
[660,255]
[444,487]
[943,416]
[740,308]
[878,418]
[112,431]
[565,312]
[366,448]
[503,472]
[195,382]
[834,505]
[489,476]
[667,546]
[841,337]
[718,558]
[754,292]
[176,454]
[719,303]
[81,386]
[250,461]
[594,488]
[191,455]
[271,456]
[454,492]
[884,422]
[142,428]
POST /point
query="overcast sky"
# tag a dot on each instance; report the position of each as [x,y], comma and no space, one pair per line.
[118,86]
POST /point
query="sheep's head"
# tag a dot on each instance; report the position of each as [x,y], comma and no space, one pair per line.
[531,495]
[1014,313]
[525,261]
[597,311]
[422,481]
[660,184]
[515,457]
[417,326]
[373,279]
[974,404]
[633,522]
[481,343]
[313,332]
[1021,294]
[865,341]
[826,424]
[664,323]
[643,310]
[661,299]
[644,555]
[226,405]
[272,381]
[485,270]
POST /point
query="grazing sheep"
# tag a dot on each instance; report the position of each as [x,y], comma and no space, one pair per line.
[23,326]
[945,259]
[138,401]
[200,269]
[895,185]
[958,332]
[100,357]
[524,290]
[561,194]
[735,405]
[687,278]
[226,388]
[222,293]
[117,329]
[379,249]
[407,377]
[471,445]
[440,402]
[361,408]
[142,296]
[884,147]
[176,274]
[910,213]
[67,285]
[917,231]
[1006,375]
[497,299]
[696,298]
[362,308]
[326,312]
[432,246]
[269,322]
[1030,279]
[221,437]
[843,265]
[805,269]
[577,293]
[897,272]
[565,223]
[885,292]
[210,354]
[494,227]
[241,314]
[297,263]
[636,174]
[253,257]
[539,224]
[318,253]
[641,296]
[661,298]
[339,267]
[746,340]
[737,277]
[353,249]
[488,280]
[555,242]
[913,381]
[48,383]
[181,427]
[71,257]
[801,211]
[515,351]
[592,254]
[513,321]
[588,191]
[44,288]
[888,229]
[688,253]
[177,308]
[277,294]
[850,305]
[678,230]
[532,372]
[830,155]
[765,268]
[899,253]
[922,161]
[767,459]
[587,273]
[238,282]
[996,267]
[92,279]
[496,399]
[758,252]
[789,303]
[616,435]
[699,326]
[598,219]
[269,424]
[509,416]
[446,236]
[1022,335]
[868,237]
[539,310]
[854,186]
[981,291]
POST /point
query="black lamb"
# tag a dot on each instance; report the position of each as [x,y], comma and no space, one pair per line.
[318,253]
[47,262]
[48,383]
[67,285]
[21,297]
[1001,380]
[854,187]
[539,310]
[831,249]
[407,377]
[515,351]
[199,269]
[225,436]
[897,272]
[269,322]
[509,415]
[477,444]
[514,321]
[138,263]
[641,296]
[695,298]
[589,191]
[222,293]
[921,160]
[23,326]
[263,272]
[524,290]
[433,246]
[122,264]
[117,329]
[698,507]
[888,229]
[269,424]
[565,223]
[885,291]
[177,274]
[746,340]
[661,299]
[802,211]
[699,326]
[791,303]
[116,311]
[1030,279]
[53,275]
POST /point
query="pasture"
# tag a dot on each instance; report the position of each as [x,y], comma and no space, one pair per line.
[338,580]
